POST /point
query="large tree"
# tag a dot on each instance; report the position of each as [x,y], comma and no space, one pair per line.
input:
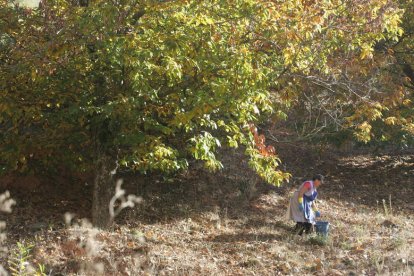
[151,84]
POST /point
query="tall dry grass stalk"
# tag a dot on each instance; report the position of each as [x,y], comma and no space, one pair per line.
[6,204]
[86,234]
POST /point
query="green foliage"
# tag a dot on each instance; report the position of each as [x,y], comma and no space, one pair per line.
[142,79]
[18,260]
[204,147]
[155,84]
[41,270]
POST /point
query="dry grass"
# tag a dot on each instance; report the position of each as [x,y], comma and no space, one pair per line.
[256,243]
[175,234]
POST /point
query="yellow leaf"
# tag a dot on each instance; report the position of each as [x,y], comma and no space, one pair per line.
[365,127]
[406,102]
[390,120]
[33,74]
[366,51]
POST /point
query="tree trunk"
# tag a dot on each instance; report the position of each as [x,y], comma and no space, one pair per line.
[103,191]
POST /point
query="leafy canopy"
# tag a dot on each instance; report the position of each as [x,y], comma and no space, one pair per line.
[155,84]
[369,94]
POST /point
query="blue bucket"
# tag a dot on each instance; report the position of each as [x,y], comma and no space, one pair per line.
[322,228]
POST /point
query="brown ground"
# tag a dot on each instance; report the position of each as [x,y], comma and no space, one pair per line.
[228,223]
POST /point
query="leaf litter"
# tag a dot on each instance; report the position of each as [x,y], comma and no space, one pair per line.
[231,233]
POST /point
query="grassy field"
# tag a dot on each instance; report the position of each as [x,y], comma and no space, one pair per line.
[208,225]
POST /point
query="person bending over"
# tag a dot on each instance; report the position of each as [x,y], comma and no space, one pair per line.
[302,208]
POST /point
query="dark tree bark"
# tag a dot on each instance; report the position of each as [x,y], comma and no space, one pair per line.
[103,190]
[408,71]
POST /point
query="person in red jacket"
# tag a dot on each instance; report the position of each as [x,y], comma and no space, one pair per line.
[302,208]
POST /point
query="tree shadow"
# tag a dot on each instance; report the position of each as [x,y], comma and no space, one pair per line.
[247,237]
[234,194]
[41,202]
[254,223]
[355,177]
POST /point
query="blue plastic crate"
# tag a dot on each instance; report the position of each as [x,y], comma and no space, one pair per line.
[322,228]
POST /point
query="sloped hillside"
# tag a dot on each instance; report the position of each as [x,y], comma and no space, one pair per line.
[229,223]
